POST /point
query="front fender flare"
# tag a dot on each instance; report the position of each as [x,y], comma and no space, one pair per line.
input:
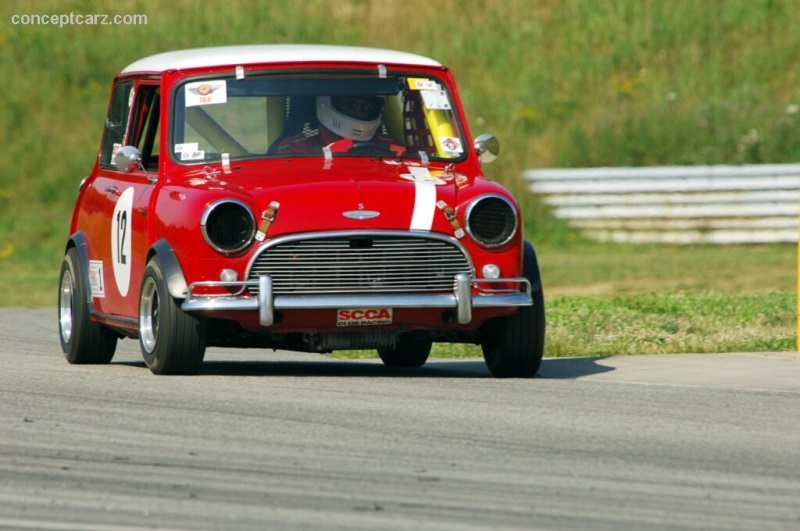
[173,274]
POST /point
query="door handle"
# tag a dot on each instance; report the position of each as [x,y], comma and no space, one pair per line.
[112,190]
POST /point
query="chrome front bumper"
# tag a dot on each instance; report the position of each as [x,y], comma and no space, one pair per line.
[462,300]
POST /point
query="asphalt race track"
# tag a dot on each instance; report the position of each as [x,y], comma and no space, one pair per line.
[264,440]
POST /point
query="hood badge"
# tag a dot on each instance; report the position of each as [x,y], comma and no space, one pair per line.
[361,214]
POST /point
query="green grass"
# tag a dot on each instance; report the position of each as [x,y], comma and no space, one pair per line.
[609,300]
[584,268]
[670,322]
[561,82]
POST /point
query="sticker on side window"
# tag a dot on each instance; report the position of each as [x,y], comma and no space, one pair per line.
[364,317]
[206,93]
[114,148]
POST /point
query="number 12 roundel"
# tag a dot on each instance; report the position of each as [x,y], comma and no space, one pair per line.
[121,241]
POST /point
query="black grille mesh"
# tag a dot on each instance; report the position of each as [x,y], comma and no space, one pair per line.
[363,264]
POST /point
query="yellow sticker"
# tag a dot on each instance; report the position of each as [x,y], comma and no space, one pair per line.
[420,83]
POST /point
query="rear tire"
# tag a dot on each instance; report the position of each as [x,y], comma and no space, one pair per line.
[172,341]
[513,346]
[412,351]
[82,340]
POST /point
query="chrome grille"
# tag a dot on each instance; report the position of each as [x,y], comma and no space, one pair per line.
[361,264]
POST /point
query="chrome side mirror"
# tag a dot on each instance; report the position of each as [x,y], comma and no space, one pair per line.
[127,159]
[487,146]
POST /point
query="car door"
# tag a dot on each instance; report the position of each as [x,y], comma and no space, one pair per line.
[119,239]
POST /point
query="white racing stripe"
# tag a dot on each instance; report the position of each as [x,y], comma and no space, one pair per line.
[424,205]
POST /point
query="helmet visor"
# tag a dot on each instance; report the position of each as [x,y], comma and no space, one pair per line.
[365,108]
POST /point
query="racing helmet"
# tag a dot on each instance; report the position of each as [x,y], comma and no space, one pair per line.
[353,117]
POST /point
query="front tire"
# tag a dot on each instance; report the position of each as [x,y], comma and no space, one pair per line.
[513,346]
[82,340]
[413,349]
[172,341]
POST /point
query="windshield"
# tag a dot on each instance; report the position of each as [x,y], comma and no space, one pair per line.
[314,115]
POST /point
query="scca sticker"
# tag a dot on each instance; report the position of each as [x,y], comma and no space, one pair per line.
[364,317]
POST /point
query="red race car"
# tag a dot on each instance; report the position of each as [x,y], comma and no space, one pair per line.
[307,198]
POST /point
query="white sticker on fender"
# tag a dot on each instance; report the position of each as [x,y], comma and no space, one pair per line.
[364,317]
[96,278]
[121,241]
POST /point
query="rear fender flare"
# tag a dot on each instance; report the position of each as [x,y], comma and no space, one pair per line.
[80,243]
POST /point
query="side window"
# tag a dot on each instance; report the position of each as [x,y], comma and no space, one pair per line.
[146,128]
[116,122]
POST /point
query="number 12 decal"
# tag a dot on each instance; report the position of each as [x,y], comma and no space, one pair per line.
[122,229]
[121,241]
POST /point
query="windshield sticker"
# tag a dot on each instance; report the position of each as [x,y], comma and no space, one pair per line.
[189,151]
[451,145]
[198,154]
[435,100]
[417,83]
[206,93]
[187,146]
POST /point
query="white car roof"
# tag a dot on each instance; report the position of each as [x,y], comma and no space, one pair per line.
[271,53]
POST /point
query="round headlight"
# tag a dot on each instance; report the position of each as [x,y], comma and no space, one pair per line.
[228,225]
[491,220]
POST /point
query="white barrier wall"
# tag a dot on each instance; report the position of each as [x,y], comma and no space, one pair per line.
[678,204]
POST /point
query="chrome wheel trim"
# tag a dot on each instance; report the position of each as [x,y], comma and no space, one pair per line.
[148,315]
[65,307]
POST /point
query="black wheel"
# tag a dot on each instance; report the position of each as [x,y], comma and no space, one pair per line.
[82,340]
[172,341]
[412,350]
[513,346]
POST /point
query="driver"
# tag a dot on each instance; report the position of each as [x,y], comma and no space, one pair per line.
[353,117]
